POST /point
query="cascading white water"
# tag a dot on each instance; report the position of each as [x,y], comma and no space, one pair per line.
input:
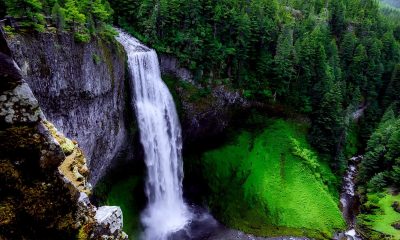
[160,135]
[347,199]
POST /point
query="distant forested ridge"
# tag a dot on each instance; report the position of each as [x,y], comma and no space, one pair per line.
[394,3]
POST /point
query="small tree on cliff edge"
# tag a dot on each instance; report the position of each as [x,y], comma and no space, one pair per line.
[76,21]
[29,10]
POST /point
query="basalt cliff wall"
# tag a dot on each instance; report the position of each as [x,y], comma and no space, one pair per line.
[81,88]
[43,175]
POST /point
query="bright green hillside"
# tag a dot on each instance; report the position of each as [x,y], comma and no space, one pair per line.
[382,215]
[260,186]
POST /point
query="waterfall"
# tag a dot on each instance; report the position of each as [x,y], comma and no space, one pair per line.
[160,135]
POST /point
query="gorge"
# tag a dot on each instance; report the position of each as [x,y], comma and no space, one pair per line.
[199,120]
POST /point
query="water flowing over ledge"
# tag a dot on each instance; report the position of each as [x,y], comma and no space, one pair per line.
[160,135]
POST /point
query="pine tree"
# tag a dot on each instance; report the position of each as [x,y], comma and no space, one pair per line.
[101,11]
[284,62]
[357,74]
[390,52]
[334,60]
[337,20]
[327,125]
[347,49]
[76,21]
[58,16]
[374,70]
[393,88]
[29,10]
[73,17]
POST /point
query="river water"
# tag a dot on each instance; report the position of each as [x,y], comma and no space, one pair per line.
[349,200]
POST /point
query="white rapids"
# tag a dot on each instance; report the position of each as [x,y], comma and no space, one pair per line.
[160,135]
[347,198]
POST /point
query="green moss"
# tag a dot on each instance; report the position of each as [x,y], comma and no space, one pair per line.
[96,59]
[173,84]
[107,56]
[9,31]
[259,186]
[199,98]
[382,215]
[67,146]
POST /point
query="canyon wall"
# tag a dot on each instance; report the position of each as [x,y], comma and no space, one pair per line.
[43,175]
[81,89]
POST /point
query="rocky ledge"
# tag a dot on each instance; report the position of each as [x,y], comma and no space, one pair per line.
[43,175]
[81,90]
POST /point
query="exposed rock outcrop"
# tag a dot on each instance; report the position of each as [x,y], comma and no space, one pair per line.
[40,199]
[81,89]
[203,116]
[170,65]
[210,115]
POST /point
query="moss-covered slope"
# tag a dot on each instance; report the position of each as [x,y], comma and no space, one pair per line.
[261,184]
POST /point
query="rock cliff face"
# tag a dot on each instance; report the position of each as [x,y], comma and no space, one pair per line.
[203,116]
[81,89]
[170,65]
[43,175]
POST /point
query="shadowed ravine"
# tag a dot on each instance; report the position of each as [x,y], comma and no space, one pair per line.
[349,200]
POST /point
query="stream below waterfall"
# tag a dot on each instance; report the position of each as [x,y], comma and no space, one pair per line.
[349,200]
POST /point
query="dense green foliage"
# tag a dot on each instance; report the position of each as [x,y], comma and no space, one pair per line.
[125,191]
[379,171]
[379,216]
[271,182]
[83,18]
[122,194]
[380,167]
[322,58]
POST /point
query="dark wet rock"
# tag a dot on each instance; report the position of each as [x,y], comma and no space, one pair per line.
[396,225]
[81,90]
[203,116]
[170,65]
[211,116]
[396,206]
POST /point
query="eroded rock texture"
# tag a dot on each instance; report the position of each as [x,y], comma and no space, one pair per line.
[81,90]
[39,198]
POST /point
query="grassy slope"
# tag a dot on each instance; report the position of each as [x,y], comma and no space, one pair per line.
[259,186]
[385,215]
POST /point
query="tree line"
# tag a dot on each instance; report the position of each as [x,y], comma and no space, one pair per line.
[82,17]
